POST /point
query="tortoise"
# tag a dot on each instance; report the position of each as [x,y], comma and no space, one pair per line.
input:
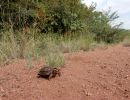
[48,72]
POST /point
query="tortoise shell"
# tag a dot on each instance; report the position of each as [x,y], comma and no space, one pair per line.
[45,71]
[48,72]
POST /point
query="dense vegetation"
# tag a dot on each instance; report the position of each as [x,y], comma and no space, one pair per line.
[58,16]
[25,27]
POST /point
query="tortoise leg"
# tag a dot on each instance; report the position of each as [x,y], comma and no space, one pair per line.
[50,76]
[59,74]
[38,76]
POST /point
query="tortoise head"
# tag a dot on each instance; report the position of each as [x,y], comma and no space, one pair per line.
[56,71]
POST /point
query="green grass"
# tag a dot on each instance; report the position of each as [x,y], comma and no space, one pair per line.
[8,48]
[49,46]
[55,59]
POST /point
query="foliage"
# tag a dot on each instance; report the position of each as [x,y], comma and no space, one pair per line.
[50,46]
[58,16]
[17,14]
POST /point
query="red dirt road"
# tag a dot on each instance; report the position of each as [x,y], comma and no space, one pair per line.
[94,75]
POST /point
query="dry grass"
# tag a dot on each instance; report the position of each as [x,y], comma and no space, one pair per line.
[55,59]
[126,42]
[50,46]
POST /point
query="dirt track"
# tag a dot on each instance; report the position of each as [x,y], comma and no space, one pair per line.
[94,75]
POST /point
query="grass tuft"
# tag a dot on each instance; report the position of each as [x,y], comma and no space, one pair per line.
[55,59]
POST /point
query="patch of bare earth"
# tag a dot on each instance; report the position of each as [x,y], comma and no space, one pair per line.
[94,75]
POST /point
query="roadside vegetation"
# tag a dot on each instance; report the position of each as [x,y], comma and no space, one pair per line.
[126,41]
[31,29]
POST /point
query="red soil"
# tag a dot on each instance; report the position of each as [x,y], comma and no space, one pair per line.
[94,75]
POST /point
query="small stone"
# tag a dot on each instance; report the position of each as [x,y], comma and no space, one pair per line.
[87,93]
